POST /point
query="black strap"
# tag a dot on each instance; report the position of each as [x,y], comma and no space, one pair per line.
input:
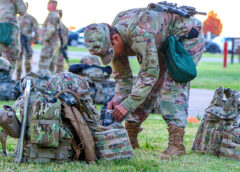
[192,34]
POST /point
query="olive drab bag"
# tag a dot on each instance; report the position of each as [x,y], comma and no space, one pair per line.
[219,131]
[5,33]
[178,61]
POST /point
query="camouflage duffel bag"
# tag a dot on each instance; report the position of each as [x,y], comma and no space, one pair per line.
[208,137]
[219,131]
[113,144]
[49,137]
[230,143]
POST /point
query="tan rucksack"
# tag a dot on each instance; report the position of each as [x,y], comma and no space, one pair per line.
[85,139]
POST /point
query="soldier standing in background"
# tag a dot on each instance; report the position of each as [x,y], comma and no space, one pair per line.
[141,32]
[9,30]
[28,34]
[49,37]
[63,34]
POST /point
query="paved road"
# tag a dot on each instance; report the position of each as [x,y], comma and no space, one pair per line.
[198,101]
[199,98]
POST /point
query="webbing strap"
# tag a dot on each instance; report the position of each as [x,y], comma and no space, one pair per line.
[46,121]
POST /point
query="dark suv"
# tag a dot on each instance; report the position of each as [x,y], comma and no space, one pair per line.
[75,38]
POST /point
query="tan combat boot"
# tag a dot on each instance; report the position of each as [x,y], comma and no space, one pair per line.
[175,142]
[133,129]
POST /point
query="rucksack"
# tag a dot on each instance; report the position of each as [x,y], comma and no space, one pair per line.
[48,138]
[61,123]
[8,88]
[51,134]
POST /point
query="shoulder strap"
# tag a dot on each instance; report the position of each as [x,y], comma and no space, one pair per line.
[82,130]
[71,92]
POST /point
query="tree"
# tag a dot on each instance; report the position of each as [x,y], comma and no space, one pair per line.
[212,24]
[71,28]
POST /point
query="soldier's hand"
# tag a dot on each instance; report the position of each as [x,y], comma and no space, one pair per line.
[111,105]
[119,112]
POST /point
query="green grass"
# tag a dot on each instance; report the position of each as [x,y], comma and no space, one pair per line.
[70,48]
[213,75]
[2,103]
[210,75]
[218,55]
[153,141]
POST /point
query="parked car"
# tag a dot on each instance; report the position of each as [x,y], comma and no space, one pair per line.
[217,44]
[75,38]
[212,47]
[220,42]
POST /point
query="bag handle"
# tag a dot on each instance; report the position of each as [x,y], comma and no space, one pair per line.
[229,93]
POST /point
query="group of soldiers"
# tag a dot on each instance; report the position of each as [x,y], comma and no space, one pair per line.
[139,32]
[24,31]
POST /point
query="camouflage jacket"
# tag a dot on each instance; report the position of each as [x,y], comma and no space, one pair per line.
[143,32]
[9,10]
[28,25]
[64,34]
[50,30]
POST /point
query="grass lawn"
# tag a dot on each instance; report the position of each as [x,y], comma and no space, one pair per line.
[218,55]
[153,141]
[70,48]
[210,75]
[213,75]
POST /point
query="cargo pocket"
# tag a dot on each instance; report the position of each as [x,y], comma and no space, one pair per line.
[45,133]
[65,134]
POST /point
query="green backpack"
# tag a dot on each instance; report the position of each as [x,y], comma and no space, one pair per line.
[178,61]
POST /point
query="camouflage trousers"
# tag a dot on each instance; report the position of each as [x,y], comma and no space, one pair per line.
[58,65]
[49,54]
[173,103]
[28,56]
[11,52]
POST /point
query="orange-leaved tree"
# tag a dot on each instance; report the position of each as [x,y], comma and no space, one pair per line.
[71,28]
[212,24]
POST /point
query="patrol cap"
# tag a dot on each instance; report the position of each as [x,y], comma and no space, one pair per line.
[52,1]
[98,42]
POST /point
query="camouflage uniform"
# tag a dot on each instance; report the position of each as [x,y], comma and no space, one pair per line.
[29,28]
[143,32]
[50,39]
[60,58]
[60,61]
[8,14]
